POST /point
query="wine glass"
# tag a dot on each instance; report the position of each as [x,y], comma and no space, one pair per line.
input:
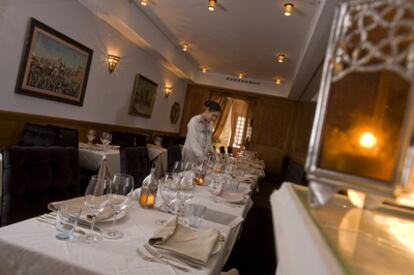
[157,140]
[106,139]
[91,135]
[177,170]
[95,202]
[119,196]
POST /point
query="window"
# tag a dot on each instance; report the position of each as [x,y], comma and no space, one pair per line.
[239,131]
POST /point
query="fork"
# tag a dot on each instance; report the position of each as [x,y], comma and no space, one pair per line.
[159,260]
[157,254]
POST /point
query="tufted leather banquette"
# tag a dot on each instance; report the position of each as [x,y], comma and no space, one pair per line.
[135,161]
[34,176]
[48,135]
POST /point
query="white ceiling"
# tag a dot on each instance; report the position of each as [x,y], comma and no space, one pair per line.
[245,36]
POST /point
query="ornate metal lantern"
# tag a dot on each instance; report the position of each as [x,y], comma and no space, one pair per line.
[363,130]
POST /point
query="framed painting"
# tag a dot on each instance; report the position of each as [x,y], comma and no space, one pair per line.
[143,96]
[175,112]
[53,66]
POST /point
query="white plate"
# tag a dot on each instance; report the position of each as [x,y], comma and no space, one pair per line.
[110,219]
[233,197]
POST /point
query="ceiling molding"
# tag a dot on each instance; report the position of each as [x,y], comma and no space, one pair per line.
[134,25]
[315,51]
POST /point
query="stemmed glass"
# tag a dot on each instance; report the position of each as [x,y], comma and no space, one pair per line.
[91,135]
[95,202]
[177,170]
[119,196]
[106,139]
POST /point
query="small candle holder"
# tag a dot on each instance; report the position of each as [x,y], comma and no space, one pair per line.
[363,130]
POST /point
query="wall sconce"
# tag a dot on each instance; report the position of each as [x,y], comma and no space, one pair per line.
[363,134]
[288,9]
[281,57]
[112,61]
[167,91]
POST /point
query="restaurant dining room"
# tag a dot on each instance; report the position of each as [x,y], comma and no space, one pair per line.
[210,137]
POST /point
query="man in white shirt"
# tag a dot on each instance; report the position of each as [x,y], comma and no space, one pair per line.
[197,144]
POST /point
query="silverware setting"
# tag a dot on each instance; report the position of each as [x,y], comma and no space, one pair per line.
[154,252]
[212,198]
[159,260]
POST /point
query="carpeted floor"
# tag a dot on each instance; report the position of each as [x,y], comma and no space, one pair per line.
[254,252]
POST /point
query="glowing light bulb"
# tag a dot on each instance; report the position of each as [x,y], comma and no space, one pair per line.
[211,5]
[184,47]
[367,140]
[203,70]
[144,2]
[288,9]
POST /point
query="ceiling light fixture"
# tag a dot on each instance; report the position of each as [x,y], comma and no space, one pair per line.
[288,9]
[281,57]
[203,70]
[144,2]
[211,5]
[278,80]
[184,47]
[241,75]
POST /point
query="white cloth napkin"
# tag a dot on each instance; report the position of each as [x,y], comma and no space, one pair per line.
[187,243]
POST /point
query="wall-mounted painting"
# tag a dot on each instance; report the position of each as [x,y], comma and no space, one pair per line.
[54,66]
[143,96]
[175,112]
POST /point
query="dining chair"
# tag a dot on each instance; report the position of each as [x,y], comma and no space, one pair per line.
[35,176]
[123,139]
[173,154]
[135,162]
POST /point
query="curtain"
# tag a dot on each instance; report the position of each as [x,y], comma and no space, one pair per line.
[220,124]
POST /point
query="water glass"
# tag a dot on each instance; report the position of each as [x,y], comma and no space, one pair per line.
[196,214]
[66,220]
[231,185]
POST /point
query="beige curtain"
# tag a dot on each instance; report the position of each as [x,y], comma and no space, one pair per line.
[225,103]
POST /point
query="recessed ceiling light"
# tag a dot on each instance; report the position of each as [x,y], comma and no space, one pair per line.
[203,70]
[281,57]
[288,9]
[241,75]
[185,47]
[144,2]
[211,5]
[278,80]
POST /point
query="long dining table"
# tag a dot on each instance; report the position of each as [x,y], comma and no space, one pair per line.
[30,246]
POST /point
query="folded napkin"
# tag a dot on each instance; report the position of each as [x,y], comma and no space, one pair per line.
[187,243]
[80,202]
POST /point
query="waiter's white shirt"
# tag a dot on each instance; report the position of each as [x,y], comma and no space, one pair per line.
[198,141]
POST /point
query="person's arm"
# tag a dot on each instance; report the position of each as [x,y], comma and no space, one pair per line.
[192,136]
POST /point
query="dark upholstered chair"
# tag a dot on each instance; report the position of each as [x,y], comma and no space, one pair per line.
[222,150]
[230,150]
[35,176]
[173,154]
[140,140]
[123,139]
[37,135]
[48,135]
[293,171]
[135,161]
[66,137]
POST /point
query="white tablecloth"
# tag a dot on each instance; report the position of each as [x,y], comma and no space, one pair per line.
[299,246]
[339,238]
[91,159]
[30,247]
